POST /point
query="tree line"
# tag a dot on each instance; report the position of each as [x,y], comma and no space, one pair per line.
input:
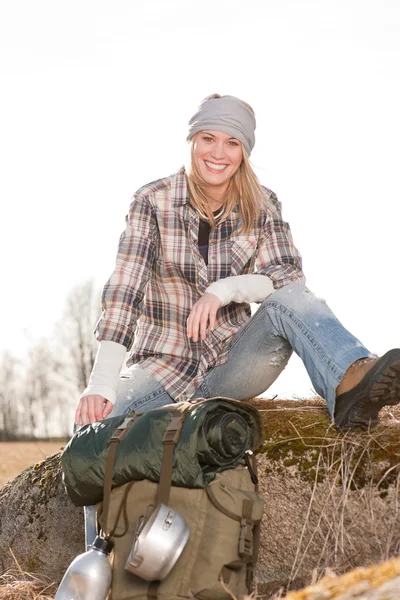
[38,395]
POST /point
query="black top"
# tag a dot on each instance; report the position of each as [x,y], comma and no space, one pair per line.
[204,234]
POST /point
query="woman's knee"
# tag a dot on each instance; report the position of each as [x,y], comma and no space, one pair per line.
[294,296]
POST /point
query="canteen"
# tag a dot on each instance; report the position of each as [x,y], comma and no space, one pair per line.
[89,575]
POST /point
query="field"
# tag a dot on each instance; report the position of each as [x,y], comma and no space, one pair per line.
[17,456]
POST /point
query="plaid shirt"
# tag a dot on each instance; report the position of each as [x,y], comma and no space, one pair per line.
[160,274]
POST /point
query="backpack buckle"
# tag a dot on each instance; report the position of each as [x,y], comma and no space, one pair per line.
[122,429]
[171,435]
[246,539]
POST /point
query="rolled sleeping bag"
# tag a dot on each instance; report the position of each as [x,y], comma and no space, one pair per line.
[214,437]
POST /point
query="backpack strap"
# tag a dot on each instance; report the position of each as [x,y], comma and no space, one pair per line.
[152,590]
[171,437]
[256,533]
[246,531]
[114,440]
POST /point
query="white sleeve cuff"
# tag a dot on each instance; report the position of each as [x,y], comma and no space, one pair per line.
[106,369]
[242,288]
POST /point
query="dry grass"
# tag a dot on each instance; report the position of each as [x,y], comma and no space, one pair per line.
[16,584]
[17,456]
[330,500]
[352,515]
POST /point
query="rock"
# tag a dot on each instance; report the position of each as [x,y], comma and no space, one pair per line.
[39,523]
[331,502]
[377,582]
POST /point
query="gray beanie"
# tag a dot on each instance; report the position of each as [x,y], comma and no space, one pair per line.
[229,115]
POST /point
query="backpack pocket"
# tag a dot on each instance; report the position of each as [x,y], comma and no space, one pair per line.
[229,546]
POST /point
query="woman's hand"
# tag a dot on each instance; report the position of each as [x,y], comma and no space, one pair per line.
[204,312]
[92,408]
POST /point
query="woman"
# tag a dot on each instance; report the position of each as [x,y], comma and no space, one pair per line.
[198,247]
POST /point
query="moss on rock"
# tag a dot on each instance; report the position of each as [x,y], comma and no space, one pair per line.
[300,440]
[47,476]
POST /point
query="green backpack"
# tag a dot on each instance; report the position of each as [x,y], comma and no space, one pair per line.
[224,519]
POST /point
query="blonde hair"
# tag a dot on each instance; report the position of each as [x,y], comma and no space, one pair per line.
[244,191]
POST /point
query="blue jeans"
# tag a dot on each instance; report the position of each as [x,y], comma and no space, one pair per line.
[291,318]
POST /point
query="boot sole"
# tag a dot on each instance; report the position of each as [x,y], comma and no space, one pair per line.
[379,387]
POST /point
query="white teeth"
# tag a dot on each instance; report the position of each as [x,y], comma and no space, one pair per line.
[215,167]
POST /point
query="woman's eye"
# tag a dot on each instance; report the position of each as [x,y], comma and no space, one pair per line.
[207,139]
[232,143]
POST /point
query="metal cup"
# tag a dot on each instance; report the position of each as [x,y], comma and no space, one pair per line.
[159,542]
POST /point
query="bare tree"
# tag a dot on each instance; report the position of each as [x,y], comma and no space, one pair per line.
[41,398]
[9,423]
[42,388]
[29,397]
[76,330]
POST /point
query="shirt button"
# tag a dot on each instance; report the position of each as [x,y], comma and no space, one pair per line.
[213,258]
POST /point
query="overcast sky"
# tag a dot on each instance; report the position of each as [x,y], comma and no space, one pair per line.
[95,98]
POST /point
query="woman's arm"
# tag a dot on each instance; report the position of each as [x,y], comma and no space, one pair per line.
[98,398]
[277,256]
[123,294]
[242,288]
[103,379]
[122,303]
[278,263]
[239,288]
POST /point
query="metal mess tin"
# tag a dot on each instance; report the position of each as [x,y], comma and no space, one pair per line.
[159,542]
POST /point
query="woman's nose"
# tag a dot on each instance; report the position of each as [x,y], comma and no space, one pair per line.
[218,151]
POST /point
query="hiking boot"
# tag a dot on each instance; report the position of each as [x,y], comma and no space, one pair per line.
[376,384]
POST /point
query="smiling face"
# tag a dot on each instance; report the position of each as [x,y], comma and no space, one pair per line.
[217,157]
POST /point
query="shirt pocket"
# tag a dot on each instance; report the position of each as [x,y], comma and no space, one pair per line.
[243,256]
